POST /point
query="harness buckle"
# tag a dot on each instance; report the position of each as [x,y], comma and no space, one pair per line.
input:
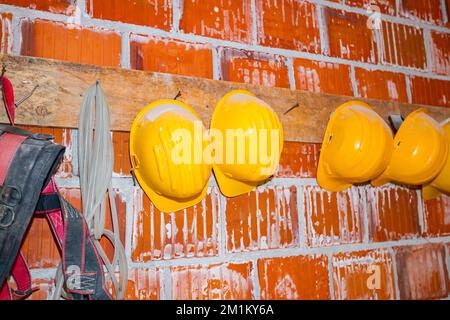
[7,216]
[10,196]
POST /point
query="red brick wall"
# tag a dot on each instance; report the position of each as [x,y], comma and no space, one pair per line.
[288,239]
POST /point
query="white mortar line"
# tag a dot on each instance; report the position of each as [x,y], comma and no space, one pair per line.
[395,273]
[120,27]
[444,11]
[43,274]
[217,74]
[126,182]
[302,233]
[287,252]
[255,280]
[80,10]
[366,231]
[176,15]
[428,54]
[330,276]
[408,88]
[421,217]
[74,140]
[129,209]
[166,284]
[222,221]
[254,22]
[125,61]
[398,6]
[16,26]
[353,81]
[323,31]
[81,5]
[291,72]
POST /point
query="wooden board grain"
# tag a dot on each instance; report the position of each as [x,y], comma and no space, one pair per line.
[56,103]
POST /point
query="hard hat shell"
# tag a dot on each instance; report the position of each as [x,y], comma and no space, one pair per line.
[171,183]
[241,111]
[441,184]
[420,151]
[357,147]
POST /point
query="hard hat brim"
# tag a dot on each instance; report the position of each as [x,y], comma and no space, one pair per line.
[429,192]
[328,183]
[168,205]
[231,187]
[380,181]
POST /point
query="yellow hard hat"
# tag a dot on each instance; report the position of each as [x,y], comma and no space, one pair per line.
[252,142]
[420,151]
[441,184]
[357,147]
[166,151]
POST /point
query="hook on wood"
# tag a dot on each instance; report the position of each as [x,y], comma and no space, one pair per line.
[28,96]
[291,108]
[178,95]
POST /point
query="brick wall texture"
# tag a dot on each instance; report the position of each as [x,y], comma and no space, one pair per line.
[288,239]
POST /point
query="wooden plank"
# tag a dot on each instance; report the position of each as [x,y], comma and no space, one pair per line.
[57,101]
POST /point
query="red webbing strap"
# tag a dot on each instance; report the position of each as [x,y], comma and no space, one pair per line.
[21,275]
[9,143]
[5,292]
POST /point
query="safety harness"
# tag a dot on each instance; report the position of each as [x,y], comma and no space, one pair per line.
[27,188]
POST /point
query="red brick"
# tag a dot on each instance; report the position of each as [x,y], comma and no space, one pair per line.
[299,159]
[46,39]
[430,91]
[381,85]
[227,281]
[222,19]
[39,246]
[121,208]
[447,6]
[192,232]
[322,77]
[422,272]
[5,33]
[56,6]
[349,36]
[63,137]
[263,219]
[440,55]
[393,213]
[121,142]
[355,275]
[45,289]
[428,10]
[403,45]
[332,218]
[385,6]
[253,67]
[155,13]
[171,56]
[72,195]
[143,284]
[288,24]
[294,278]
[437,216]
